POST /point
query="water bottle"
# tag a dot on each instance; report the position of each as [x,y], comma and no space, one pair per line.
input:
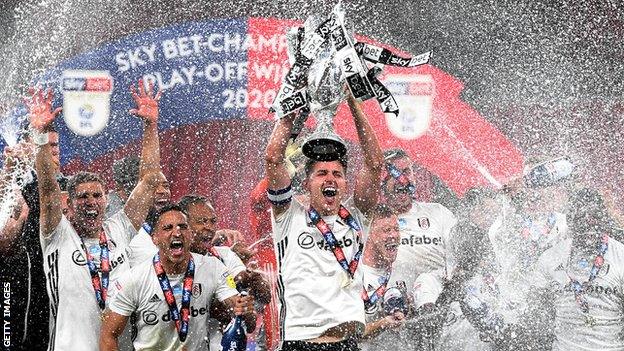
[548,173]
[234,336]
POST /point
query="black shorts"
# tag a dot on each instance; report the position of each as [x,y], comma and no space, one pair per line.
[300,345]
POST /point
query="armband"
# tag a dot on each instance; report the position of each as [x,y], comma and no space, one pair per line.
[280,197]
[147,228]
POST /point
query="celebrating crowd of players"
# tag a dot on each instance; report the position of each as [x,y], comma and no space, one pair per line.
[535,265]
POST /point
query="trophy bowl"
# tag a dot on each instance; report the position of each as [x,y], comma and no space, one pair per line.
[326,91]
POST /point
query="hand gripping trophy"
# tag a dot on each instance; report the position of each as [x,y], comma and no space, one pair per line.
[324,56]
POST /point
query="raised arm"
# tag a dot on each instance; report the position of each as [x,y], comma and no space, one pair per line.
[41,117]
[113,325]
[12,228]
[142,197]
[276,170]
[146,101]
[367,185]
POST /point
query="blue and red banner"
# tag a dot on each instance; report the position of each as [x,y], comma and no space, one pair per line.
[224,70]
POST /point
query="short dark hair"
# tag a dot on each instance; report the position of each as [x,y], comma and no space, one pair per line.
[309,165]
[80,178]
[191,199]
[126,173]
[394,154]
[154,216]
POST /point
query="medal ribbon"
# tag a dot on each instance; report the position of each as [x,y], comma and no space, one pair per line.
[370,300]
[100,285]
[579,288]
[377,54]
[331,241]
[181,317]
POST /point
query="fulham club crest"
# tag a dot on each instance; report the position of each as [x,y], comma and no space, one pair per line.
[423,222]
[197,290]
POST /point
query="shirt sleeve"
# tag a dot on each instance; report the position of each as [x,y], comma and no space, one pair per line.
[232,261]
[449,221]
[226,287]
[283,222]
[141,248]
[120,227]
[123,297]
[59,233]
[427,288]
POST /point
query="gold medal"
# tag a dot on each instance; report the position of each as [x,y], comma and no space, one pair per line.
[589,320]
[346,280]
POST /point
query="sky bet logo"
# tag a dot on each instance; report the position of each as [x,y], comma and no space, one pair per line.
[420,240]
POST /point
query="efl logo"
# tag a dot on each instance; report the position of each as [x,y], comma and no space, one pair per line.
[414,94]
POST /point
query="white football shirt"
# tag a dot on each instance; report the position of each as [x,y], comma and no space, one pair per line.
[139,292]
[605,298]
[72,298]
[312,295]
[425,230]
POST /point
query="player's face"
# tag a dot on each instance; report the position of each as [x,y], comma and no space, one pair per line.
[172,236]
[398,196]
[385,238]
[327,185]
[87,208]
[203,222]
[163,193]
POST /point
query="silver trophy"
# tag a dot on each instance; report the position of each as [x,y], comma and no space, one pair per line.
[326,91]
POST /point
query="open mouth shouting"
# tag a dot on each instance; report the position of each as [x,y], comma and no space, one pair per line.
[91,214]
[203,242]
[159,203]
[329,191]
[176,247]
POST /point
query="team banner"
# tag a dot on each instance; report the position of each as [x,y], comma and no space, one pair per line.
[231,70]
